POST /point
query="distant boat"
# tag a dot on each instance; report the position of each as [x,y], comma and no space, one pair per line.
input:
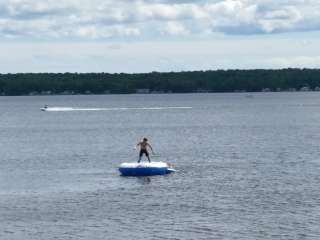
[44,108]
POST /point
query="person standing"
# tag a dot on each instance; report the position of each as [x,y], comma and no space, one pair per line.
[144,145]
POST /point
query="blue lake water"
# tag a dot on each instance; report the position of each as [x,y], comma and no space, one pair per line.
[248,167]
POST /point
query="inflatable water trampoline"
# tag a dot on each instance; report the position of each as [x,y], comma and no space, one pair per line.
[145,169]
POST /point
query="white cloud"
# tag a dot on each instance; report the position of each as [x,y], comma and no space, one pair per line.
[100,19]
[175,28]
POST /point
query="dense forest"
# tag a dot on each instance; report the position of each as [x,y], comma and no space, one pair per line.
[156,82]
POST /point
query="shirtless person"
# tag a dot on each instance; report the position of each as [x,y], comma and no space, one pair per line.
[144,149]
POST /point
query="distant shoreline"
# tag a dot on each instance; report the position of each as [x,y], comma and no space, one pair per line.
[151,93]
[246,81]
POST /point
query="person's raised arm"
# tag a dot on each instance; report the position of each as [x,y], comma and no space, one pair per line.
[151,148]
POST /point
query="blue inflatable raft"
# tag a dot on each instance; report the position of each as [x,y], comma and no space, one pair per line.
[145,169]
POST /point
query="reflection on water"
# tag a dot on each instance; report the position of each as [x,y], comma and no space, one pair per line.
[145,180]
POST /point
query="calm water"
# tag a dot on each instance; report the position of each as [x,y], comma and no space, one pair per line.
[249,167]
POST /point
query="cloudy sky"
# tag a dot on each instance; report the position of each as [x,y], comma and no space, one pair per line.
[158,35]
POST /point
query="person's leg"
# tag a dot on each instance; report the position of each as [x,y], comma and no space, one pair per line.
[140,155]
[147,154]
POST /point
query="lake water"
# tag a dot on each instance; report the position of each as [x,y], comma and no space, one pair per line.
[248,167]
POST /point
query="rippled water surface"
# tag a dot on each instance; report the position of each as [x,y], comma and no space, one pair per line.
[248,167]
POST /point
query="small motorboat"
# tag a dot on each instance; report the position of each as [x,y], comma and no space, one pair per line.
[45,108]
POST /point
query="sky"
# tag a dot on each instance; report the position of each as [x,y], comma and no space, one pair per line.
[160,35]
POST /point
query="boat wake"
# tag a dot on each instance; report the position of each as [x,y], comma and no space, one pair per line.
[68,109]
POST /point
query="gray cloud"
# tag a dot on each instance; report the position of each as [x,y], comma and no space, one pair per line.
[145,19]
[28,10]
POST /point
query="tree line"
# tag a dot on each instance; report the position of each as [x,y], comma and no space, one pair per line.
[172,82]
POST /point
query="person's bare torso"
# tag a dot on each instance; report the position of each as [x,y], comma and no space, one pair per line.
[143,145]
